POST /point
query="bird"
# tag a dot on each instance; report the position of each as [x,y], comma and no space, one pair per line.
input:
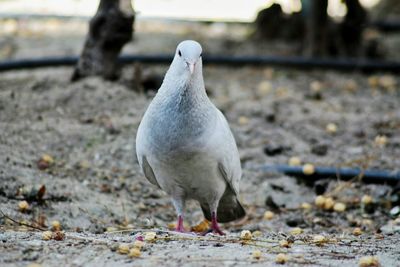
[185,147]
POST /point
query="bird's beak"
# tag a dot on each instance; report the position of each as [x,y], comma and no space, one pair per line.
[191,67]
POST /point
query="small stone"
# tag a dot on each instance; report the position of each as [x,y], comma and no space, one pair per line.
[59,235]
[134,253]
[339,207]
[319,239]
[269,73]
[270,117]
[269,215]
[359,133]
[294,161]
[150,236]
[256,234]
[320,201]
[111,229]
[308,169]
[369,261]
[329,203]
[55,225]
[306,206]
[45,162]
[270,203]
[47,235]
[171,226]
[381,140]
[366,200]
[373,81]
[367,222]
[243,120]
[142,206]
[138,244]
[357,231]
[264,88]
[281,258]
[320,186]
[296,231]
[84,164]
[256,254]
[47,158]
[351,86]
[284,244]
[319,149]
[316,86]
[201,227]
[387,81]
[281,92]
[331,128]
[245,235]
[395,211]
[23,206]
[123,249]
[295,221]
[273,150]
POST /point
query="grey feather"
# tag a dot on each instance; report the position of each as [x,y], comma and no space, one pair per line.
[148,172]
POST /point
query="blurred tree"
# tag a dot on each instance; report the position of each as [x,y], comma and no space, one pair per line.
[272,23]
[352,27]
[324,37]
[109,30]
[316,31]
[387,10]
[317,28]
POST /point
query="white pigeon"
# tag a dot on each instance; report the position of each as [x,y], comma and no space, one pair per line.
[184,144]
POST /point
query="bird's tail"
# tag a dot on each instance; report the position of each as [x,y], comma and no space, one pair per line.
[229,209]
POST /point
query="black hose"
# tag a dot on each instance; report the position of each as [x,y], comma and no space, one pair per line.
[295,62]
[368,176]
[31,63]
[386,26]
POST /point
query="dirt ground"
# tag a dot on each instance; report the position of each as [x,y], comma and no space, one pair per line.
[95,189]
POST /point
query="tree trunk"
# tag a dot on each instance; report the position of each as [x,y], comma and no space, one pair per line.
[317,28]
[352,27]
[109,30]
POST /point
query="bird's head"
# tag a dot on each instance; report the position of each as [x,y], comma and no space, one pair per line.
[188,57]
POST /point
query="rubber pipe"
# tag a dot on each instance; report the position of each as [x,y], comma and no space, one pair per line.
[368,176]
[295,62]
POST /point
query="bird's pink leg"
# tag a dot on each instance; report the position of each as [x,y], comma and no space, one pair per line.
[214,226]
[179,226]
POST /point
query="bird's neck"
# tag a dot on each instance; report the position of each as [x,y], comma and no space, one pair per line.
[185,92]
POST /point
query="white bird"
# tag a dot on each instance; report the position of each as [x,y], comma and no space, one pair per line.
[184,144]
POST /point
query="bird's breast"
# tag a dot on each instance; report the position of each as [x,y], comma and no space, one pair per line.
[177,132]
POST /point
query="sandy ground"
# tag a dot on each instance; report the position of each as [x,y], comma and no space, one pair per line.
[95,189]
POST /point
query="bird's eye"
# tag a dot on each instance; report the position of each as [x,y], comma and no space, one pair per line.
[201,54]
[179,53]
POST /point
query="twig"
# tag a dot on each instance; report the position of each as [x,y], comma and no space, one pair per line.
[70,235]
[21,223]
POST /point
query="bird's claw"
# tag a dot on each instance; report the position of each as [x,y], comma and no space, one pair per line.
[214,231]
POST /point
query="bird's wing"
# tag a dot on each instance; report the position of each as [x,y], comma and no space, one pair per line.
[227,154]
[148,172]
[141,153]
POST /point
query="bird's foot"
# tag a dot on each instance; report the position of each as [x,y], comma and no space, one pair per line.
[214,226]
[214,231]
[180,230]
[179,226]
